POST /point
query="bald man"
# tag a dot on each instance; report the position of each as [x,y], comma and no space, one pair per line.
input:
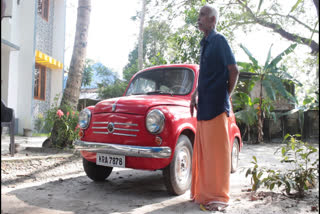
[211,163]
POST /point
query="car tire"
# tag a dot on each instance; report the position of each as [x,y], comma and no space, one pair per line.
[96,172]
[235,156]
[177,175]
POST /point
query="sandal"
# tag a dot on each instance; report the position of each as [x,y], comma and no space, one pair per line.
[213,207]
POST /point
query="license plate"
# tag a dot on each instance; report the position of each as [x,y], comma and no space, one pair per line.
[110,160]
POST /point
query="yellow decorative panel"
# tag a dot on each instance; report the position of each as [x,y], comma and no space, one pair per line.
[47,61]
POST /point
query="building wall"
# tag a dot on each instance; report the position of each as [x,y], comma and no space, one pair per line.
[28,31]
[44,31]
[5,57]
[58,44]
[9,57]
[24,31]
[50,40]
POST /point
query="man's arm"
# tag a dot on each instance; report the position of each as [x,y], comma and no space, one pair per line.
[233,77]
[193,101]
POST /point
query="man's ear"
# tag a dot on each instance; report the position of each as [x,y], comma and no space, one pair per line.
[214,20]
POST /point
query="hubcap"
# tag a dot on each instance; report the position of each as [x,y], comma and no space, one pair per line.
[183,166]
[235,155]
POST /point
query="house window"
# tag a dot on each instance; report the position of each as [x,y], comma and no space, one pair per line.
[43,9]
[40,82]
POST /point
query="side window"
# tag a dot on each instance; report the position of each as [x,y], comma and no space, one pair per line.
[43,9]
[40,82]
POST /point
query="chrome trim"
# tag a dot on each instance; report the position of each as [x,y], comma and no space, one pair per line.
[127,150]
[110,127]
[99,127]
[89,114]
[114,106]
[101,132]
[129,130]
[115,130]
[162,120]
[130,135]
[100,122]
[126,124]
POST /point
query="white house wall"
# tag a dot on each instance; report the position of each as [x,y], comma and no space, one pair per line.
[9,57]
[25,30]
[58,44]
[5,56]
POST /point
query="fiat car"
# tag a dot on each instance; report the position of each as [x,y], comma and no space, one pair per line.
[149,128]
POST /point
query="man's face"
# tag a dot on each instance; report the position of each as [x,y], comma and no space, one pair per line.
[205,23]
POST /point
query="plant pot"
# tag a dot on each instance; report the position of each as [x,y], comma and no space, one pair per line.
[27,132]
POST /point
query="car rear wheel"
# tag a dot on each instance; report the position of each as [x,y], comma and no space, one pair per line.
[96,172]
[177,175]
[235,156]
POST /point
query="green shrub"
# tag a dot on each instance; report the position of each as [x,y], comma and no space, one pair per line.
[39,123]
[67,123]
[300,175]
[68,129]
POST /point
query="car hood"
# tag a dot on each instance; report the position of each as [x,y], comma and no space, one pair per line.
[138,104]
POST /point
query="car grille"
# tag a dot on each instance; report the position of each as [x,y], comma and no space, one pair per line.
[115,128]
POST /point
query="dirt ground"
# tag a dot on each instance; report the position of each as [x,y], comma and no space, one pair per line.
[57,184]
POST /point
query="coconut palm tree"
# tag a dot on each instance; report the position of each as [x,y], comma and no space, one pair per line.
[270,80]
[72,91]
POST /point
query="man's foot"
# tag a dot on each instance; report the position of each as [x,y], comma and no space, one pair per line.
[213,207]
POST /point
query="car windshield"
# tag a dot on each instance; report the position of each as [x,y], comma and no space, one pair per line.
[173,81]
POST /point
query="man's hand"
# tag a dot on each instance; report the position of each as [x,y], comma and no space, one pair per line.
[193,103]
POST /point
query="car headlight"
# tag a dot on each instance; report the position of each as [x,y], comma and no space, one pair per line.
[155,121]
[84,118]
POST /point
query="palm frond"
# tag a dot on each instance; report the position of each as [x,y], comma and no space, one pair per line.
[253,60]
[267,85]
[260,3]
[275,61]
[295,5]
[268,57]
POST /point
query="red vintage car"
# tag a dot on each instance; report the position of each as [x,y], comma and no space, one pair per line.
[150,127]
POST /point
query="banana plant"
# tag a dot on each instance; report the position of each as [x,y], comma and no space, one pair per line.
[245,112]
[270,78]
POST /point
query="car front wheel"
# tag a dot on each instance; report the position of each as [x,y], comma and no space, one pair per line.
[96,172]
[234,156]
[177,175]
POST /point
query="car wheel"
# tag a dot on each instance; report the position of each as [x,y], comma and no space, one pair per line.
[96,172]
[234,156]
[177,175]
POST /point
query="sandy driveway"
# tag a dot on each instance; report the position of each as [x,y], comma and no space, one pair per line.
[59,185]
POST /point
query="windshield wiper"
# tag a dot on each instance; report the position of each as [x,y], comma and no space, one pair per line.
[137,93]
[159,92]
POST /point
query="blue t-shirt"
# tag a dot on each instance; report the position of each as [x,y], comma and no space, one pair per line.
[213,95]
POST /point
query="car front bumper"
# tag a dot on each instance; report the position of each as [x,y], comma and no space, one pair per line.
[127,150]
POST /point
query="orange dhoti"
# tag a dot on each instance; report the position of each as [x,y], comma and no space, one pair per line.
[211,163]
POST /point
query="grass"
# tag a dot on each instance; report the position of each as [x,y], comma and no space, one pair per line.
[40,134]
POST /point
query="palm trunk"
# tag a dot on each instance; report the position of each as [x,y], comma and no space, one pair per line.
[140,49]
[249,136]
[72,91]
[260,116]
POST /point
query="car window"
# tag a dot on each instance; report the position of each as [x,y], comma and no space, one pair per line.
[177,81]
[141,86]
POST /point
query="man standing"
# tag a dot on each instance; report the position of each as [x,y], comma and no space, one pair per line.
[217,78]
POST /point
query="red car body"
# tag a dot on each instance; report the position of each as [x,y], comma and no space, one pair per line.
[128,115]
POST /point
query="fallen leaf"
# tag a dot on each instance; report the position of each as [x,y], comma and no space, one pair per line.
[254,198]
